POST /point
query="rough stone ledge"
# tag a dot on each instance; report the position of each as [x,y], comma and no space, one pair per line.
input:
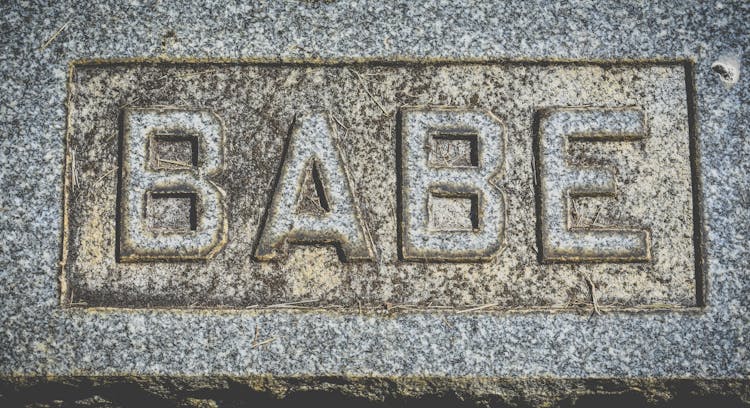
[268,391]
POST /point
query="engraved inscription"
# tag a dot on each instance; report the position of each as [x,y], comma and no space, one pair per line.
[353,185]
[169,208]
[561,181]
[312,153]
[423,182]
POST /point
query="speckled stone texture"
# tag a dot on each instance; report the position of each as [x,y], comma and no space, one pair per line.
[367,119]
[39,338]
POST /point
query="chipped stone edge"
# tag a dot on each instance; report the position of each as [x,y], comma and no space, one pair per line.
[479,391]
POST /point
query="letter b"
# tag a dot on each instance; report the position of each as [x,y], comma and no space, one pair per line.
[169,210]
[450,210]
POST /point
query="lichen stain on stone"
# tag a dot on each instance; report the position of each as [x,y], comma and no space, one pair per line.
[311,272]
[92,240]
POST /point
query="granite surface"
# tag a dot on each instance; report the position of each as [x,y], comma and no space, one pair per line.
[37,337]
[259,103]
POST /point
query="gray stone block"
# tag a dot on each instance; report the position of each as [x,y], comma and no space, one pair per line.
[635,288]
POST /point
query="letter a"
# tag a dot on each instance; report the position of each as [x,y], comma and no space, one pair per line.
[311,144]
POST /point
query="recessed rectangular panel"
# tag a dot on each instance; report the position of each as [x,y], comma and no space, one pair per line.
[451,185]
